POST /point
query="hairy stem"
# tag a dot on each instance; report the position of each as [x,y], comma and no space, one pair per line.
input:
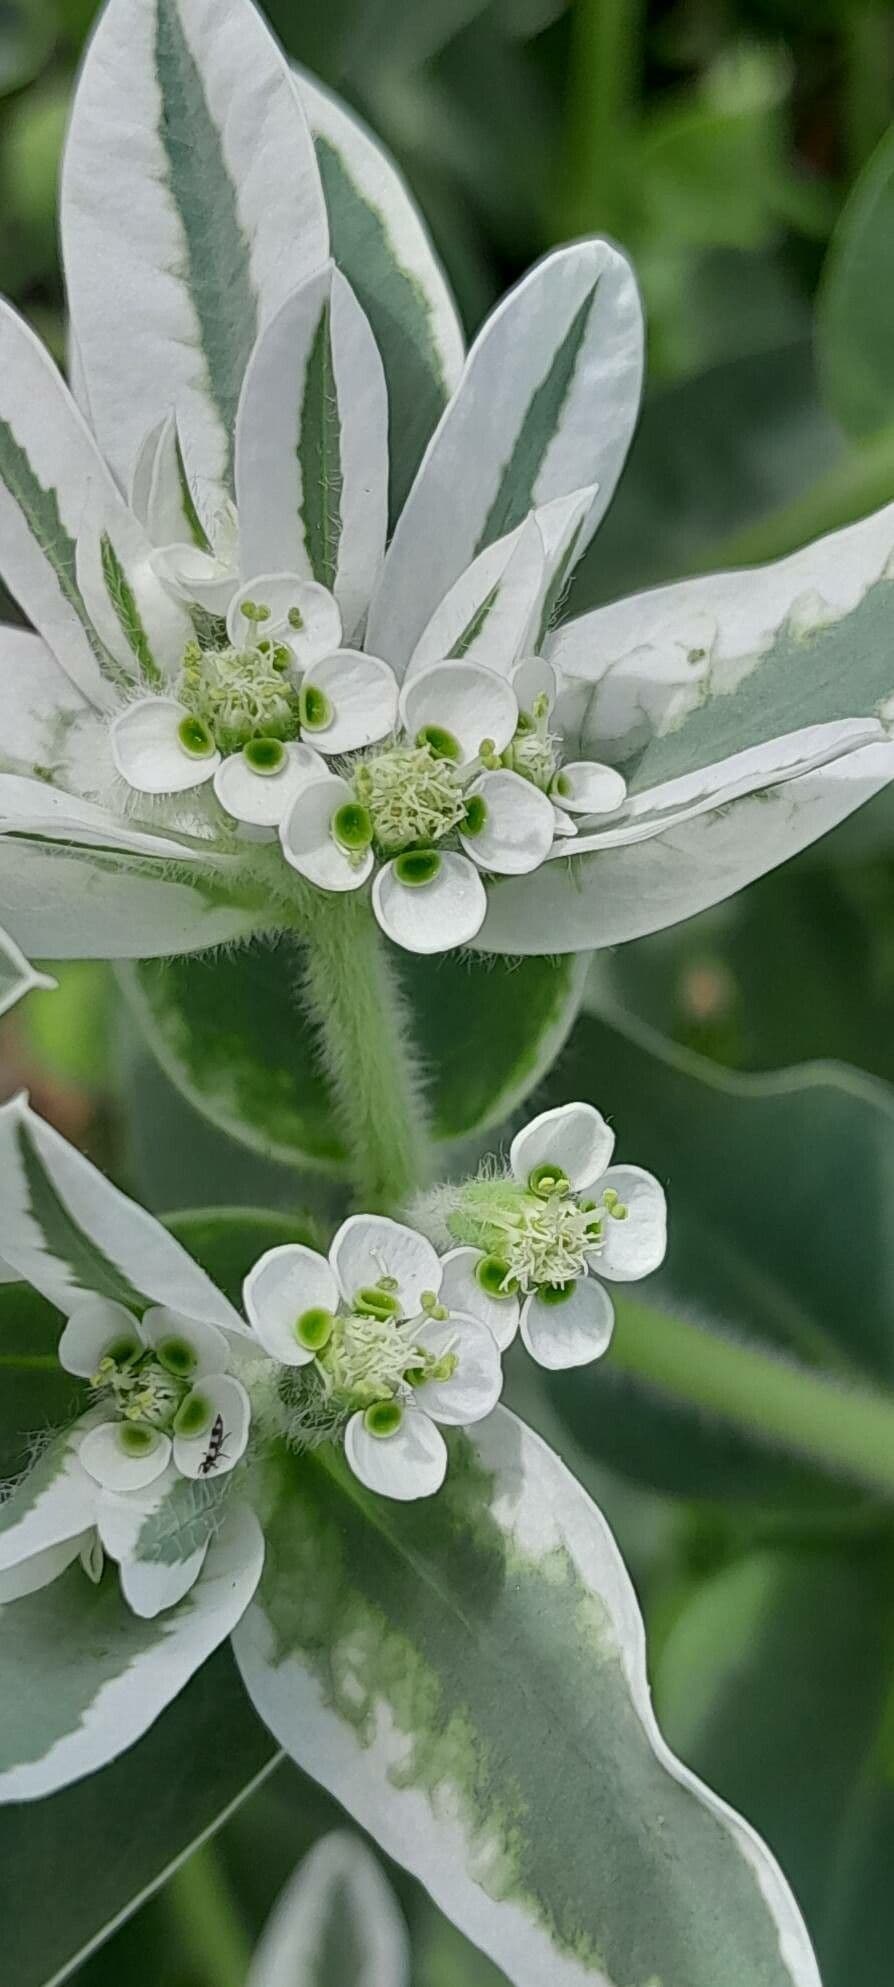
[209,1928]
[844,1428]
[352,994]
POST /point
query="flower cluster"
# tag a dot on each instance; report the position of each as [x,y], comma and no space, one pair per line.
[536,1239]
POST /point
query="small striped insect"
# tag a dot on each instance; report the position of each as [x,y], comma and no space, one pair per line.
[216,1450]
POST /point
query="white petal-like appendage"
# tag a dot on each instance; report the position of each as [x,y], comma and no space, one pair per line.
[338,1891]
[284,1283]
[563,825]
[187,222]
[574,1137]
[262,800]
[464,698]
[92,1328]
[314,629]
[431,917]
[572,1332]
[584,787]
[534,677]
[191,574]
[312,445]
[409,1464]
[547,404]
[150,1587]
[89,1681]
[474,1389]
[307,841]
[223,1443]
[519,826]
[362,693]
[147,751]
[208,1345]
[637,1245]
[370,1246]
[461,1291]
[104,1459]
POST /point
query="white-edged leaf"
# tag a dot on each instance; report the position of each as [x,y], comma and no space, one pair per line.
[312,447]
[337,1923]
[547,404]
[81,1677]
[191,207]
[676,680]
[486,1714]
[654,879]
[43,712]
[71,1233]
[500,606]
[52,478]
[142,626]
[17,976]
[381,243]
[61,901]
[54,1502]
[33,807]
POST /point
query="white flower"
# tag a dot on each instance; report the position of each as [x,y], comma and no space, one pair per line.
[537,1242]
[382,1361]
[164,1388]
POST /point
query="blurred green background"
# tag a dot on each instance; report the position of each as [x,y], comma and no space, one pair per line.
[742,151]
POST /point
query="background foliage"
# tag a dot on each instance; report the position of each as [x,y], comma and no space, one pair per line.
[740,150]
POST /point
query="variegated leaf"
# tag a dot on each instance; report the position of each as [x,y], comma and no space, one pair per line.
[81,1677]
[468,1677]
[547,404]
[191,207]
[64,900]
[312,447]
[52,482]
[336,1924]
[383,247]
[677,685]
[17,976]
[71,1233]
[624,882]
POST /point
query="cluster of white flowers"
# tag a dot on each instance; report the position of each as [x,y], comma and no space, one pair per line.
[377,1347]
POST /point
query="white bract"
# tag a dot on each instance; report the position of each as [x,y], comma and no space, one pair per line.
[215,654]
[338,1899]
[538,1241]
[376,1356]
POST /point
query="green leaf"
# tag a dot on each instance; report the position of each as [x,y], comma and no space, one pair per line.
[855,306]
[27,33]
[762,1291]
[229,1033]
[79,1862]
[396,1667]
[792,1652]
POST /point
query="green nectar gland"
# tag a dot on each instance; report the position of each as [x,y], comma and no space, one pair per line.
[239,694]
[413,796]
[314,1329]
[383,1418]
[134,1440]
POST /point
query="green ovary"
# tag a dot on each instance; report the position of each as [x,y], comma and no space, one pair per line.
[240,694]
[411,796]
[540,1241]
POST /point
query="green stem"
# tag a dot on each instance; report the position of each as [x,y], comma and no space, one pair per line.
[602,87]
[352,993]
[30,1362]
[208,1927]
[842,1428]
